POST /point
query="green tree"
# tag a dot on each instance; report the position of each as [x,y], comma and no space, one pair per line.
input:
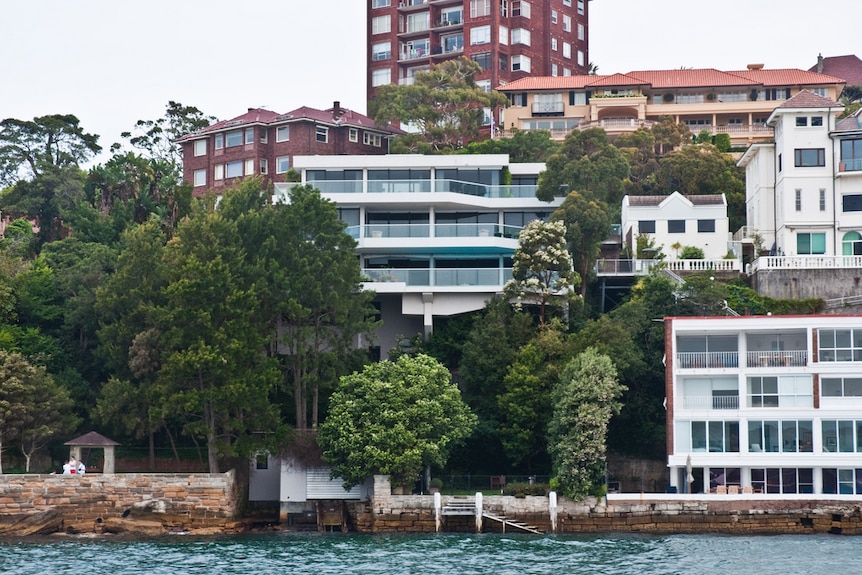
[587,162]
[525,402]
[214,373]
[35,147]
[156,139]
[584,402]
[497,334]
[444,104]
[523,146]
[311,294]
[394,418]
[542,272]
[32,408]
[588,223]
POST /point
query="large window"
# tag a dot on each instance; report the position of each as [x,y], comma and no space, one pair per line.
[249,135]
[381,51]
[841,386]
[282,134]
[715,436]
[782,480]
[676,226]
[842,436]
[234,169]
[381,24]
[282,164]
[842,481]
[521,63]
[567,23]
[381,77]
[790,436]
[418,22]
[219,141]
[811,243]
[483,59]
[809,157]
[233,138]
[200,177]
[851,154]
[646,226]
[851,244]
[480,8]
[480,35]
[783,391]
[840,344]
[380,3]
[321,134]
[200,147]
[521,36]
[851,203]
[705,226]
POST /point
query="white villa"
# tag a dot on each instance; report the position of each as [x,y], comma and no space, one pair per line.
[763,404]
[804,191]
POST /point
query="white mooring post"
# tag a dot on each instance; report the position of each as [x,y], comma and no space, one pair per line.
[478,512]
[552,508]
[438,507]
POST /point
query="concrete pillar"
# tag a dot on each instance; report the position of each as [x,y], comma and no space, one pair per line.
[552,509]
[478,512]
[438,512]
[109,461]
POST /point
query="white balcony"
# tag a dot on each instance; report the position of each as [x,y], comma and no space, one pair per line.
[707,359]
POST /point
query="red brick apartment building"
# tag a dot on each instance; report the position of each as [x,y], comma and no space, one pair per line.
[265,142]
[510,39]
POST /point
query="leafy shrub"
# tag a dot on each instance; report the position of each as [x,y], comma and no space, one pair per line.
[523,489]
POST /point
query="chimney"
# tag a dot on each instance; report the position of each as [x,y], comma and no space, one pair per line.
[819,63]
[336,110]
[755,66]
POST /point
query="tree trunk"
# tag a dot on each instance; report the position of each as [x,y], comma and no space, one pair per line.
[152,450]
[212,447]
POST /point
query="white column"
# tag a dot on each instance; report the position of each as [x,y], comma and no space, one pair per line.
[438,505]
[478,512]
[552,508]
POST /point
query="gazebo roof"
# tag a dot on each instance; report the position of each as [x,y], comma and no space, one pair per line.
[92,439]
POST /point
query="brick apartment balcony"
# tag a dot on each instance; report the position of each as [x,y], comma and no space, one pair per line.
[423,186]
[411,5]
[788,358]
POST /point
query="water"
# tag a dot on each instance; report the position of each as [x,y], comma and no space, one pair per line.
[280,553]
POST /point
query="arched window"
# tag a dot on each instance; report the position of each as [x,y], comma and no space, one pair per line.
[851,244]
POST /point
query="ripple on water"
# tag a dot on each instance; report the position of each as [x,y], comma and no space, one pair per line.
[458,554]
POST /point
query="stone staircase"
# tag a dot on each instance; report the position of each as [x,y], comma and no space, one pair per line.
[506,522]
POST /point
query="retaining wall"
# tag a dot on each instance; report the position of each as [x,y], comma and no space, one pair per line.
[387,513]
[180,501]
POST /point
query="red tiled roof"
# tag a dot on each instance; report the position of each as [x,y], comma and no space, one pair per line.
[787,77]
[669,79]
[806,99]
[346,117]
[849,68]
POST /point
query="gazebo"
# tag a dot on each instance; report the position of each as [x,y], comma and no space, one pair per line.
[97,440]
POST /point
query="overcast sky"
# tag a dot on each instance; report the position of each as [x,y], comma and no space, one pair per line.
[112,62]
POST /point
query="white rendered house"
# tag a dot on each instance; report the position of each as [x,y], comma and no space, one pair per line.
[435,234]
[764,404]
[698,221]
[804,191]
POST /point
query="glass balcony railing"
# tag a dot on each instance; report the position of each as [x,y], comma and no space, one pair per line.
[440,230]
[441,277]
[423,186]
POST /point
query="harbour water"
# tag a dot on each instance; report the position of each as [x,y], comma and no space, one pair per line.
[330,554]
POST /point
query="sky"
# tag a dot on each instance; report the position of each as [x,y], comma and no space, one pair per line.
[113,62]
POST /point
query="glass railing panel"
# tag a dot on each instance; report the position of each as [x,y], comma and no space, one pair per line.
[397,231]
[398,186]
[337,186]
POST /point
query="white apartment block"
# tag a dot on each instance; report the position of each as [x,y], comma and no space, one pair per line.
[763,404]
[436,234]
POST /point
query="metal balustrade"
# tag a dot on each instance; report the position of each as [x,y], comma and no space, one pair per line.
[792,358]
[707,359]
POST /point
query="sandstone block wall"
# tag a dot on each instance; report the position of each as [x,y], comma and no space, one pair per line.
[181,501]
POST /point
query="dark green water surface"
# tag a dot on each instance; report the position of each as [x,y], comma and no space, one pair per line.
[461,554]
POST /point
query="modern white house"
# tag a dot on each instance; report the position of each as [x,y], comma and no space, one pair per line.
[435,234]
[764,404]
[677,220]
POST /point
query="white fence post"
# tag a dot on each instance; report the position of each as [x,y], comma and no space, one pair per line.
[478,512]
